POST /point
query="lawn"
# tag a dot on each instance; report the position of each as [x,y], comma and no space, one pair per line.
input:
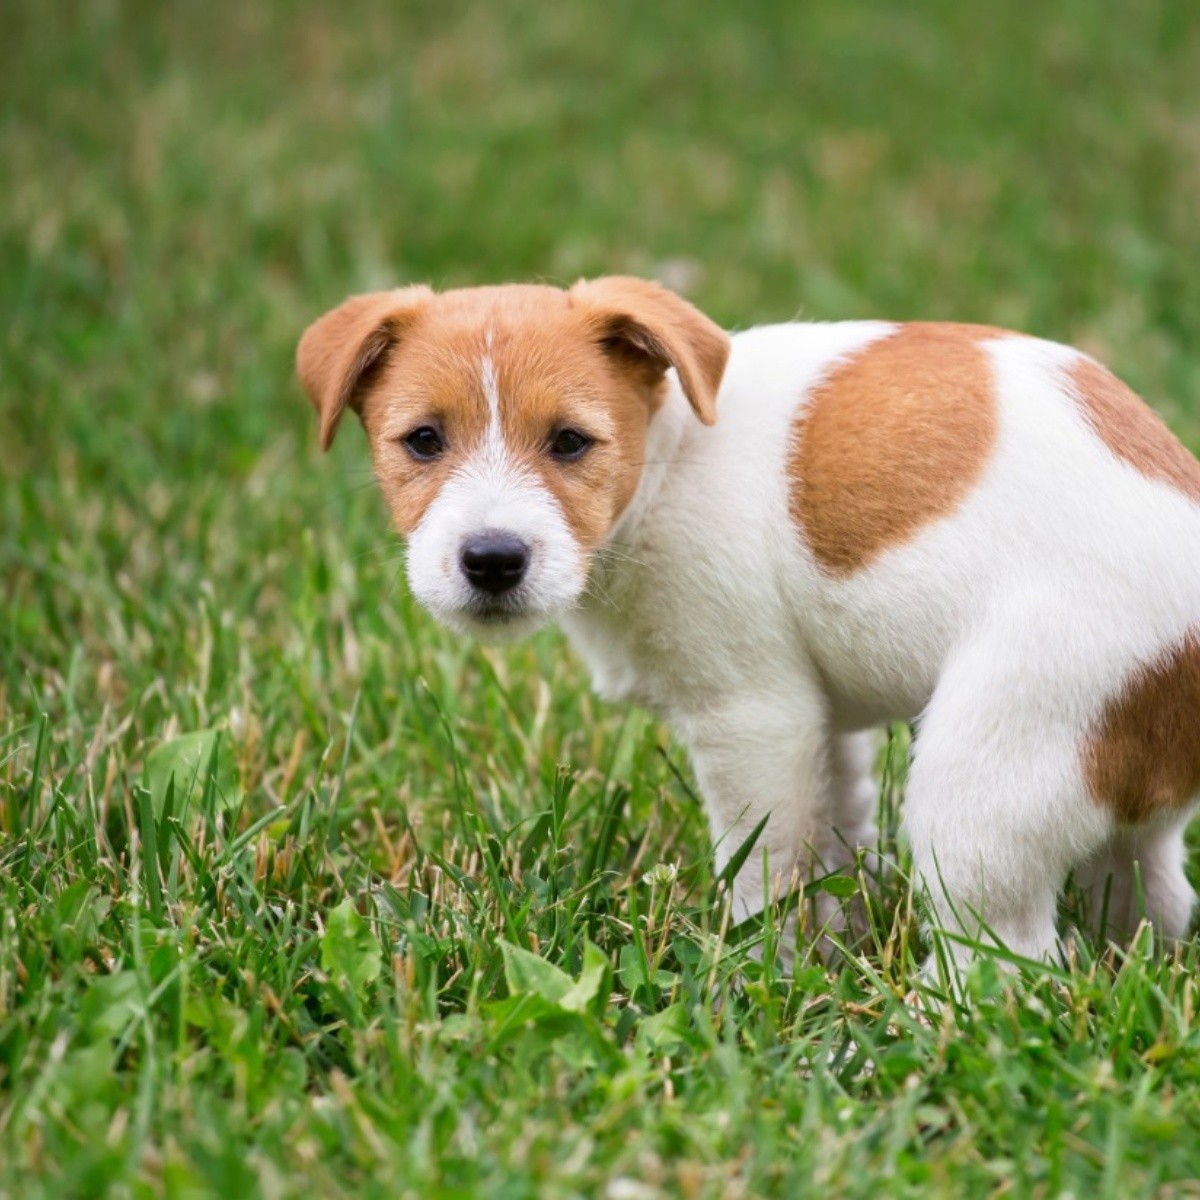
[302,896]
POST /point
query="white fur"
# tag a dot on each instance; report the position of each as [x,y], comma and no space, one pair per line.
[1005,626]
[491,393]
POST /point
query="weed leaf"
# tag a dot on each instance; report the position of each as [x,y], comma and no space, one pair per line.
[187,759]
[350,952]
[527,974]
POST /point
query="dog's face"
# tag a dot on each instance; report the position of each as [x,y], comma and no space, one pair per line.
[508,427]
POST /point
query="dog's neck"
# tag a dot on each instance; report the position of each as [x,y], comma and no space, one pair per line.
[602,627]
[664,440]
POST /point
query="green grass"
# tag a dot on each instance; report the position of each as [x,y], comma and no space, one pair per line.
[292,973]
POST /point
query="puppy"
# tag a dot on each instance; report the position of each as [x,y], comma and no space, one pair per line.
[780,539]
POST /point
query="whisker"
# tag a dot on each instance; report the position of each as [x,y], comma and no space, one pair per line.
[597,591]
[606,553]
[373,550]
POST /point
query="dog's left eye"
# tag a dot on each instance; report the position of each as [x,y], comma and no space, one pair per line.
[424,443]
[569,444]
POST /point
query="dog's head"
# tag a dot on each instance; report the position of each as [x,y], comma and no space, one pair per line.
[508,426]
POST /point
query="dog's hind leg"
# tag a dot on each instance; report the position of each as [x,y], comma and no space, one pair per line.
[1139,873]
[997,811]
[854,795]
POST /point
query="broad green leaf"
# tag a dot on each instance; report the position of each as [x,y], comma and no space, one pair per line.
[507,1017]
[634,972]
[664,1031]
[579,996]
[527,974]
[632,969]
[111,1003]
[85,1075]
[187,758]
[841,886]
[350,952]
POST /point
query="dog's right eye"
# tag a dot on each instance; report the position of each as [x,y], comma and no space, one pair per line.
[424,443]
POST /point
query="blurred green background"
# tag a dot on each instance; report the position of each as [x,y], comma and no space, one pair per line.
[183,187]
[186,185]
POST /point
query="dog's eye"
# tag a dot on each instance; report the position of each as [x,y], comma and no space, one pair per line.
[569,444]
[424,443]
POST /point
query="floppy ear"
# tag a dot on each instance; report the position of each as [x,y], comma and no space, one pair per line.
[339,352]
[650,329]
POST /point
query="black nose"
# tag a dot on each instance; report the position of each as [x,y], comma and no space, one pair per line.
[494,562]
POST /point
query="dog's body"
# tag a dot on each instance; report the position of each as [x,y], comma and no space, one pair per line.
[979,529]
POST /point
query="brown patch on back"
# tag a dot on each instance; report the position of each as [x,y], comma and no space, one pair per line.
[1132,430]
[1144,756]
[891,440]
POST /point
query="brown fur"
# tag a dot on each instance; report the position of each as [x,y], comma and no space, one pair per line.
[592,359]
[1132,430]
[647,323]
[338,353]
[892,440]
[1144,756]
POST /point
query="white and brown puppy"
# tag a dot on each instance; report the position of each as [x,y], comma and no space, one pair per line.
[780,539]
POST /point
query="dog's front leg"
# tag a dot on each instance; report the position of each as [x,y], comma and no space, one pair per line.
[766,756]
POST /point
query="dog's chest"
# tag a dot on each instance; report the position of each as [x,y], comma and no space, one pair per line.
[675,638]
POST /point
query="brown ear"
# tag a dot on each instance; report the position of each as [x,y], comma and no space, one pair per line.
[654,329]
[338,351]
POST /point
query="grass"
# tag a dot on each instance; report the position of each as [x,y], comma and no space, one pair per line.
[405,922]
